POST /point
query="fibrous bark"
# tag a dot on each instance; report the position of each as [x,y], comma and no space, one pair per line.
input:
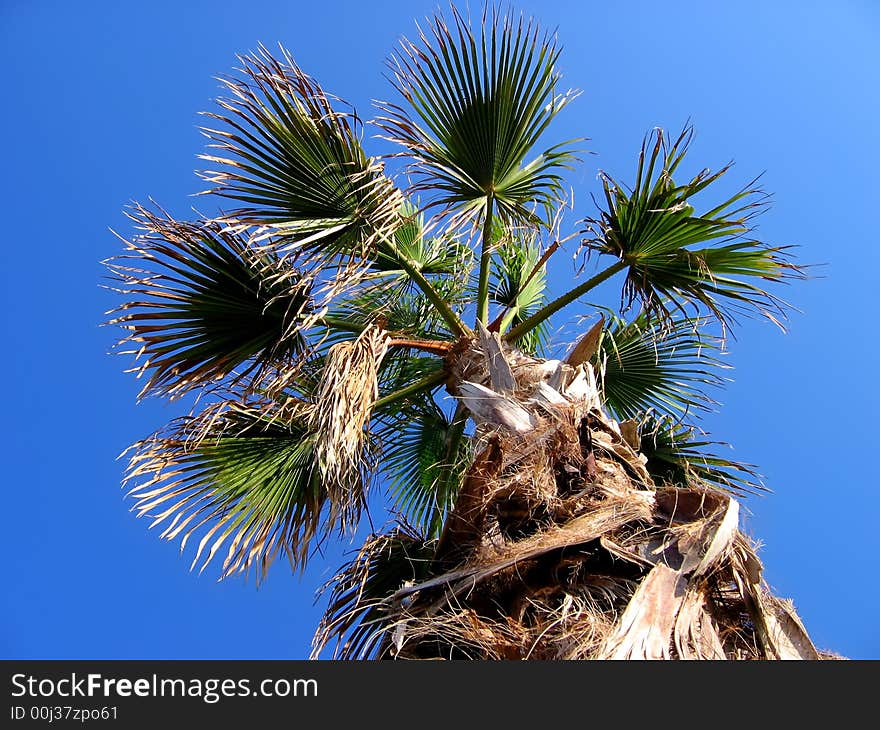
[561,546]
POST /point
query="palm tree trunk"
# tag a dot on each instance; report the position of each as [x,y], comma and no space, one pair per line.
[561,546]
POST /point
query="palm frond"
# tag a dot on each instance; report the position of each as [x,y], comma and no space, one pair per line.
[401,369]
[433,255]
[480,101]
[518,283]
[642,366]
[654,229]
[202,301]
[296,163]
[358,617]
[244,477]
[677,456]
[424,456]
[400,309]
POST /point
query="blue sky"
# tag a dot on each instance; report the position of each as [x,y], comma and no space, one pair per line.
[100,108]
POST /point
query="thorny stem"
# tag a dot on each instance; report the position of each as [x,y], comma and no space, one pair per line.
[496,325]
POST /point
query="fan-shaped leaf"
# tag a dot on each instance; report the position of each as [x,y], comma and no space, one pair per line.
[294,161]
[656,232]
[424,454]
[203,301]
[400,309]
[480,101]
[643,366]
[244,478]
[677,456]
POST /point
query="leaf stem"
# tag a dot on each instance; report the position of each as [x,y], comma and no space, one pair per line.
[550,309]
[346,325]
[450,317]
[419,385]
[458,327]
[438,347]
[485,264]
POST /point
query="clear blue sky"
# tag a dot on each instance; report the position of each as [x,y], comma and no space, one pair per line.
[100,105]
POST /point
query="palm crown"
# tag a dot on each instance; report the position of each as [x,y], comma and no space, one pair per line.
[323,315]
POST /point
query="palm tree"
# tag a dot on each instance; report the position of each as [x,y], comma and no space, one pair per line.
[344,327]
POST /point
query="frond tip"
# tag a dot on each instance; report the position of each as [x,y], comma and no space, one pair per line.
[481,99]
[242,477]
[678,456]
[295,162]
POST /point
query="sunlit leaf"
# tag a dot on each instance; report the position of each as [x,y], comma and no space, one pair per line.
[480,100]
[643,366]
[243,480]
[294,161]
[518,283]
[657,232]
[440,255]
[397,306]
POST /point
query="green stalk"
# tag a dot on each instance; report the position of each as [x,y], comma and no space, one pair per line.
[419,385]
[485,264]
[342,324]
[451,318]
[550,309]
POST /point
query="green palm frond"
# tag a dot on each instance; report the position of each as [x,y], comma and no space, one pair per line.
[358,619]
[440,255]
[518,284]
[642,366]
[654,230]
[295,162]
[679,457]
[424,455]
[401,369]
[244,478]
[402,310]
[480,103]
[202,301]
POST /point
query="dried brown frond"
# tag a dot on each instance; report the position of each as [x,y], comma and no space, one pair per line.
[358,617]
[343,405]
